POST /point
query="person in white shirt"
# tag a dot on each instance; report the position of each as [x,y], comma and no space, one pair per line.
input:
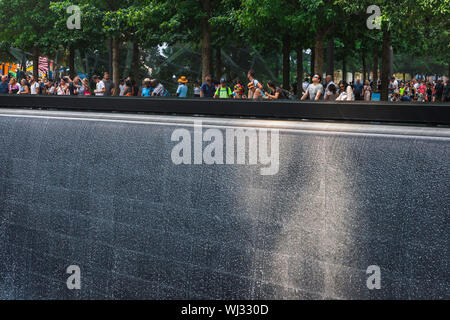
[345,92]
[314,90]
[62,89]
[122,87]
[34,86]
[305,85]
[99,87]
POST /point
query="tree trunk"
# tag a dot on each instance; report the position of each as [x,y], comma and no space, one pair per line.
[319,54]
[344,67]
[72,62]
[385,72]
[206,40]
[86,61]
[364,65]
[115,63]
[391,60]
[35,63]
[110,65]
[286,62]
[299,70]
[313,61]
[136,62]
[375,67]
[219,63]
[330,57]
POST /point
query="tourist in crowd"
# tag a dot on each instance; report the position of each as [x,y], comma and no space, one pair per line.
[109,85]
[305,85]
[129,89]
[275,92]
[254,93]
[207,90]
[223,92]
[358,89]
[251,77]
[85,87]
[122,87]
[182,89]
[159,90]
[396,96]
[99,86]
[329,81]
[405,92]
[446,91]
[49,88]
[13,86]
[331,94]
[146,90]
[429,92]
[438,91]
[314,90]
[4,85]
[34,86]
[63,88]
[238,91]
[196,89]
[345,92]
[24,88]
[367,91]
[72,85]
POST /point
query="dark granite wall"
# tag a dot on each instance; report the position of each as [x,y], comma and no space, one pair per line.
[106,196]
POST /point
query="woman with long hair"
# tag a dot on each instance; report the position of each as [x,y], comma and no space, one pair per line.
[13,87]
[275,92]
[367,91]
[62,89]
[85,87]
[24,89]
[345,92]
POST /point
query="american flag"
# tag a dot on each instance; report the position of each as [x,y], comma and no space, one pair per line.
[43,66]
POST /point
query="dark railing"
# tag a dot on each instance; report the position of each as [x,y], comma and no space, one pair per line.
[400,112]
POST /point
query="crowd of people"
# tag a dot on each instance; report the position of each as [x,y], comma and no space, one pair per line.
[415,90]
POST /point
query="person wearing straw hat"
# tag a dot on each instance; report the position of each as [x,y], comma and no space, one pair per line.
[182,87]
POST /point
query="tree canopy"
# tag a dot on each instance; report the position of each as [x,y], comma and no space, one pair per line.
[224,37]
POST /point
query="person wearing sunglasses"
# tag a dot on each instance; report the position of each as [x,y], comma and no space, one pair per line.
[314,90]
[345,92]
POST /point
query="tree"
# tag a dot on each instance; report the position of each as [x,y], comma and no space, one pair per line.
[63,37]
[27,27]
[411,17]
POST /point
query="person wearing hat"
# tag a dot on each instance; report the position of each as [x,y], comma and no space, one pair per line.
[147,88]
[182,87]
[223,92]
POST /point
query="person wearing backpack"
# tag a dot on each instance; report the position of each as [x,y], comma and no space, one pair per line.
[223,92]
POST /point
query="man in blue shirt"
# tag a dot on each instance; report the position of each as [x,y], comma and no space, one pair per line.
[207,89]
[358,87]
[182,87]
[147,90]
[3,85]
